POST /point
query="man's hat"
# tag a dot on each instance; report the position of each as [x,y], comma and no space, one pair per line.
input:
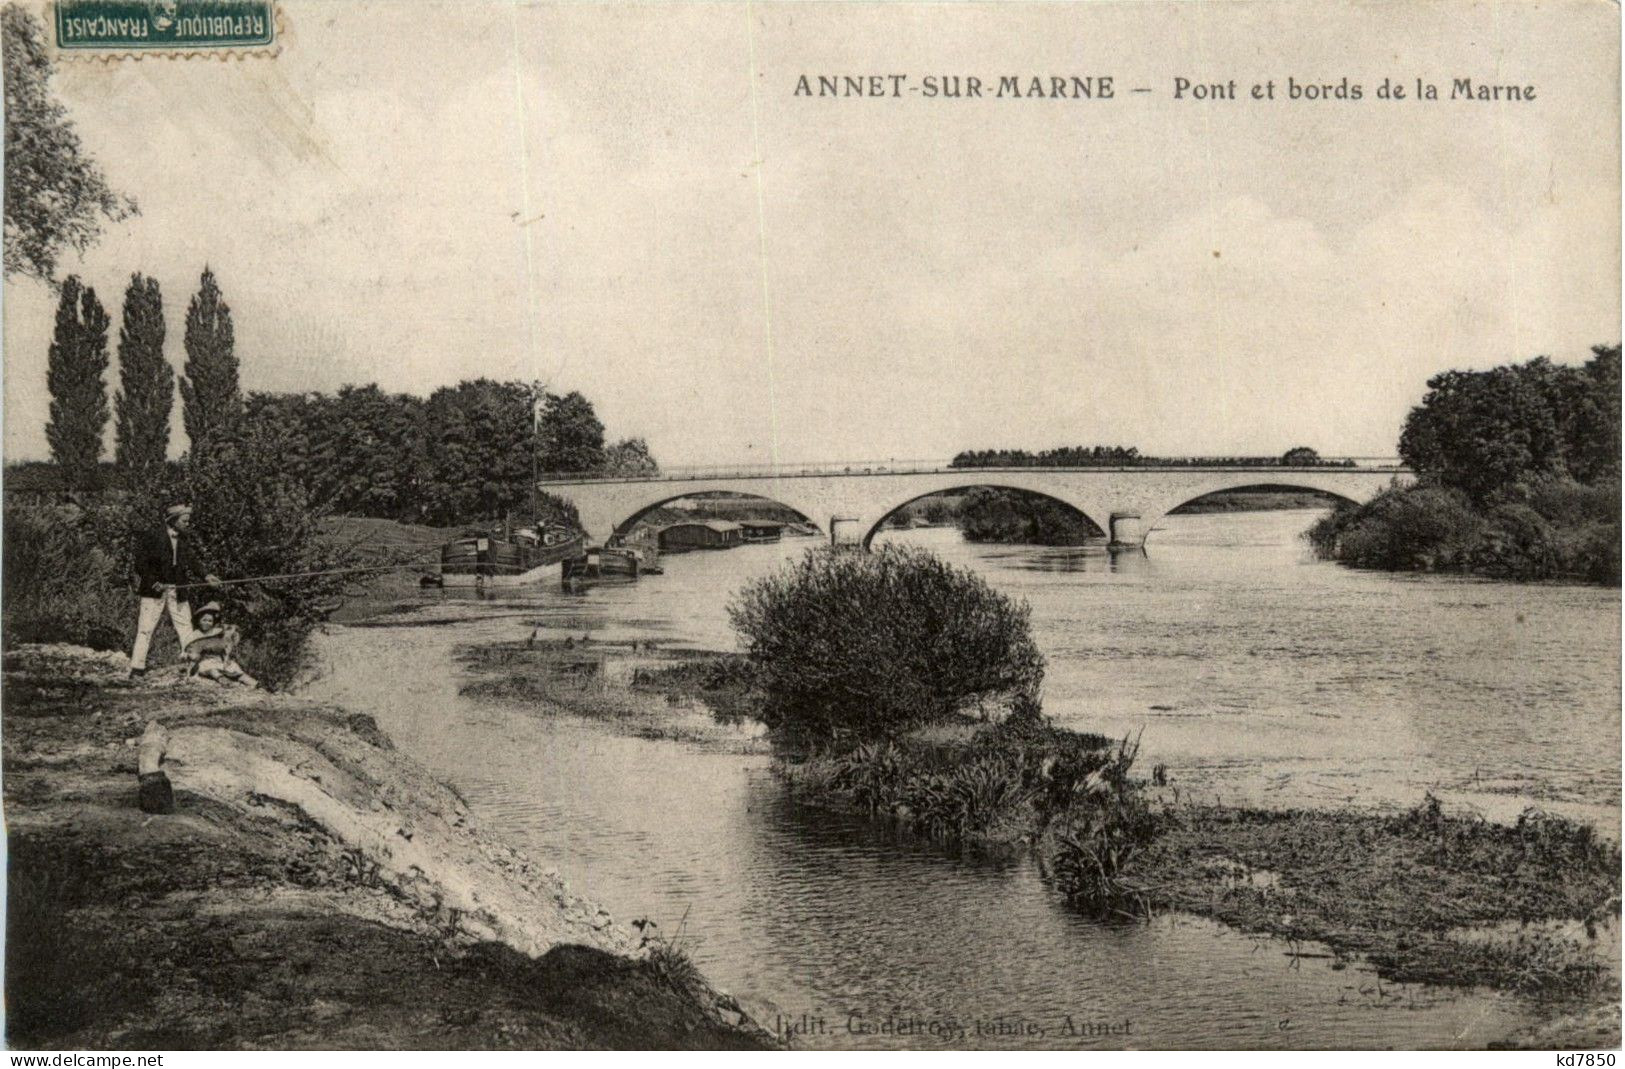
[177,510]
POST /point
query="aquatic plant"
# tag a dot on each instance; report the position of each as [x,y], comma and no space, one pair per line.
[1101,836]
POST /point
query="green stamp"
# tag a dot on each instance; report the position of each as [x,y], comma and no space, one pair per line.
[164,25]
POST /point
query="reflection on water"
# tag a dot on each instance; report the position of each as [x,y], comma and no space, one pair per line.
[1253,671]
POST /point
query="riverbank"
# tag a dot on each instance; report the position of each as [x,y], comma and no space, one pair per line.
[314,888]
[1550,529]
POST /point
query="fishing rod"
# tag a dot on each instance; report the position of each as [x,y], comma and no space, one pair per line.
[307,575]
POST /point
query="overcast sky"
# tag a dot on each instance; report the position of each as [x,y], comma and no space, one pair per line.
[629,200]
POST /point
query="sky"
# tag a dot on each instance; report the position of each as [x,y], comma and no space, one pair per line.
[628,199]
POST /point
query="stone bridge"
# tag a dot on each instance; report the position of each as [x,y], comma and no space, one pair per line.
[851,503]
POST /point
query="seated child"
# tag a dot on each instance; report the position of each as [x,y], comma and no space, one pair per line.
[211,651]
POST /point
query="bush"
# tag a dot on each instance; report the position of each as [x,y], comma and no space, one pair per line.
[1546,527]
[1415,527]
[872,644]
[67,575]
[253,519]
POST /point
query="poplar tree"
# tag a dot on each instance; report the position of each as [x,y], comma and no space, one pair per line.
[146,382]
[74,369]
[212,402]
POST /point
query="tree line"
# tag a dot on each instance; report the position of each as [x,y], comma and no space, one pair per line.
[1117,456]
[465,453]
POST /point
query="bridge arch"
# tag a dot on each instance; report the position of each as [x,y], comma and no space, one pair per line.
[1236,482]
[879,524]
[631,521]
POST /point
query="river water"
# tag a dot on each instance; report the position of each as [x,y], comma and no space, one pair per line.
[1253,672]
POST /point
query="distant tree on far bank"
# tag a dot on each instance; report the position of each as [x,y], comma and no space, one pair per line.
[56,195]
[74,368]
[212,399]
[630,456]
[1117,456]
[1300,455]
[146,381]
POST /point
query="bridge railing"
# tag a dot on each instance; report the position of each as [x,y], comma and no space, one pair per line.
[718,472]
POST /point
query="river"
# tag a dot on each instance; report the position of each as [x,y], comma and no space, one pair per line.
[1253,672]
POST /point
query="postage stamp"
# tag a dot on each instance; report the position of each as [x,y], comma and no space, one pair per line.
[114,27]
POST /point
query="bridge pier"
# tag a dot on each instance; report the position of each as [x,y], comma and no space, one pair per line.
[1127,531]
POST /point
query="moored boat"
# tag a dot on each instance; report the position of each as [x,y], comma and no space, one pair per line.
[497,561]
[619,558]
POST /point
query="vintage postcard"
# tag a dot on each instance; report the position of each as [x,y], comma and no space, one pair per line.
[821,526]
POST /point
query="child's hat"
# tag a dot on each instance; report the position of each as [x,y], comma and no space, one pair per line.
[210,606]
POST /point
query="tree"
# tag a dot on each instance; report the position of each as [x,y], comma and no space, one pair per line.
[484,450]
[876,643]
[56,196]
[373,445]
[1003,514]
[1482,431]
[1592,432]
[74,369]
[213,403]
[630,456]
[290,426]
[146,381]
[572,438]
[1300,455]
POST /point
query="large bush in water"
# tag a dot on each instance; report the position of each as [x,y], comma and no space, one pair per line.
[876,643]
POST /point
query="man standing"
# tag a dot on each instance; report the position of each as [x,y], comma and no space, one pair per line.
[164,568]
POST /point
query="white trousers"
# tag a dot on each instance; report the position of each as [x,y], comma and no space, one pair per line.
[152,610]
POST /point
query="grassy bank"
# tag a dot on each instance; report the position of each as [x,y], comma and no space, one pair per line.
[1423,896]
[314,888]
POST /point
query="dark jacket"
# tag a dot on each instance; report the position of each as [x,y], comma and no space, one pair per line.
[154,564]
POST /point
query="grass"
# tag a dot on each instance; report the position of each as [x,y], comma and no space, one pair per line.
[1399,890]
[727,684]
[550,676]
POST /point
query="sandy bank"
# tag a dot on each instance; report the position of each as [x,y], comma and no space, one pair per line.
[314,887]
